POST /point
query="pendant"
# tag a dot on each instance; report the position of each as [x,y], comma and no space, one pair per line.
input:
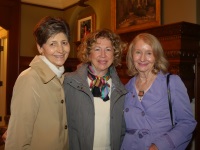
[141,93]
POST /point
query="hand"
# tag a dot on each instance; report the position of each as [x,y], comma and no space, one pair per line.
[4,136]
[153,147]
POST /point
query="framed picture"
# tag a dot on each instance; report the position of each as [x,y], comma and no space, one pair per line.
[130,15]
[85,26]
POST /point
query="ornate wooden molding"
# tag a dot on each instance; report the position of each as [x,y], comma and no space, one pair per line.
[182,53]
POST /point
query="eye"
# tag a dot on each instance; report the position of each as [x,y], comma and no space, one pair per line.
[65,42]
[149,53]
[108,49]
[96,49]
[53,44]
[137,52]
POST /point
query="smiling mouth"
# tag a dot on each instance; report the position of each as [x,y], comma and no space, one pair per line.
[102,62]
[143,63]
[59,56]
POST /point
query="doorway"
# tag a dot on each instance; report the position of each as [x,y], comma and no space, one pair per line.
[3,68]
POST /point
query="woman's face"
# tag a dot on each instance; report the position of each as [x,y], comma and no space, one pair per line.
[56,49]
[101,56]
[143,57]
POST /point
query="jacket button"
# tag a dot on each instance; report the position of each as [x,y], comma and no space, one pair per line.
[143,113]
[62,101]
[65,126]
[140,135]
[127,109]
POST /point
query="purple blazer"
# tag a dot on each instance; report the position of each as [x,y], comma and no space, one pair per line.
[149,121]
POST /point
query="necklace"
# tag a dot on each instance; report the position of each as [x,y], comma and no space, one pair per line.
[140,94]
[144,87]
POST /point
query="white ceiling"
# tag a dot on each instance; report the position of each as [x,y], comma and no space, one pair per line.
[60,4]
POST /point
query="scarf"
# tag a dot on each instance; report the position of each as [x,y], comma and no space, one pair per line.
[99,85]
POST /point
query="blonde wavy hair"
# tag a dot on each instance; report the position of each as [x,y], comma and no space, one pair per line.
[87,43]
[161,63]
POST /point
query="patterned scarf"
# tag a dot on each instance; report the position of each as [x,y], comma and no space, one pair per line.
[99,85]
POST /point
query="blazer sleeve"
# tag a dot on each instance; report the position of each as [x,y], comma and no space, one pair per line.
[181,134]
[24,108]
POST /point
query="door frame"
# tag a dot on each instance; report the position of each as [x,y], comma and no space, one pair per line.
[10,20]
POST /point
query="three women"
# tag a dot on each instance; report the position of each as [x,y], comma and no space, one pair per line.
[95,96]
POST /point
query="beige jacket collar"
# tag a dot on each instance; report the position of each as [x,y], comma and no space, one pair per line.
[43,70]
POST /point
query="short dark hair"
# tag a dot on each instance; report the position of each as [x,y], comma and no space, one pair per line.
[49,26]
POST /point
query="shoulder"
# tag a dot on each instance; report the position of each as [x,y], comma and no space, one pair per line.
[130,84]
[115,78]
[80,69]
[28,74]
[176,83]
[79,76]
[173,78]
[114,74]
[27,80]
[70,74]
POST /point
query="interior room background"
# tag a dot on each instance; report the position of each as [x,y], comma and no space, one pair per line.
[172,11]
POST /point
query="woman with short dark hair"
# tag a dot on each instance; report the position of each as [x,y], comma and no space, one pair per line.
[38,118]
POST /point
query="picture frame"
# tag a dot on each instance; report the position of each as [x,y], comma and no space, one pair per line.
[85,26]
[130,15]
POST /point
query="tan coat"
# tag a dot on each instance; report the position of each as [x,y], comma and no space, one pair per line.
[38,111]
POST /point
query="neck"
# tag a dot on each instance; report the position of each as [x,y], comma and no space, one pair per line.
[144,82]
[97,72]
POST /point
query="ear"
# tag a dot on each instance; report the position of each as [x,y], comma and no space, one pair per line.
[40,49]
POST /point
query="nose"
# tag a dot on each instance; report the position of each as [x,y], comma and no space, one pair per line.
[60,49]
[143,57]
[103,53]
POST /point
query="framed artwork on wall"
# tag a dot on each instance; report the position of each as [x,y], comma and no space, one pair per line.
[130,15]
[85,25]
